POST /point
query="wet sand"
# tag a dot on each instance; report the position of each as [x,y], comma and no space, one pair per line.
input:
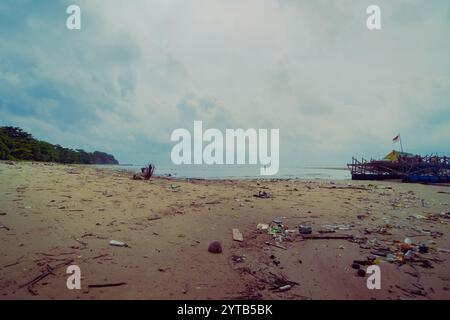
[55,215]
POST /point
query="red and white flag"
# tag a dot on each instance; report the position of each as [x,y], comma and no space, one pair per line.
[396,138]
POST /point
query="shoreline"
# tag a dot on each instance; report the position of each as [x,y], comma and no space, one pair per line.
[290,175]
[174,177]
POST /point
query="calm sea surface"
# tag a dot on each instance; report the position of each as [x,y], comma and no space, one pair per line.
[339,172]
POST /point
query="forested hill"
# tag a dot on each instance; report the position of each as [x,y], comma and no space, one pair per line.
[16,144]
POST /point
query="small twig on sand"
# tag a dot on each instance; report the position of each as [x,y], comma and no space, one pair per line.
[50,271]
[100,256]
[282,283]
[84,244]
[326,231]
[105,285]
[13,264]
[348,187]
[327,237]
[56,254]
[186,289]
[2,226]
[413,291]
[276,245]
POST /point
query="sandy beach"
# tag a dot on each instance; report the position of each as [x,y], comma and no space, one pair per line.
[53,215]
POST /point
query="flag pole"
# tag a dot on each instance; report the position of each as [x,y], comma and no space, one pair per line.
[401,145]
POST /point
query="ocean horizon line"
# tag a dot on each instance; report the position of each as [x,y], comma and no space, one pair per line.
[332,172]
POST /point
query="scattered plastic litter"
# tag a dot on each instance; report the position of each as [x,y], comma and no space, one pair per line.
[305,229]
[116,243]
[262,226]
[262,195]
[423,248]
[409,255]
[237,235]
[284,288]
[337,226]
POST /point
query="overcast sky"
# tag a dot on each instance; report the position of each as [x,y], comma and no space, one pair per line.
[137,70]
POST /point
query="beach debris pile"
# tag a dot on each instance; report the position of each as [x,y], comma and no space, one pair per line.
[388,248]
[267,279]
[278,231]
[441,217]
[281,234]
[400,252]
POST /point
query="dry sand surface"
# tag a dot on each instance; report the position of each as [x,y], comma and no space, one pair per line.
[54,215]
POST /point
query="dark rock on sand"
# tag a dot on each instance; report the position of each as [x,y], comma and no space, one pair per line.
[356,266]
[215,247]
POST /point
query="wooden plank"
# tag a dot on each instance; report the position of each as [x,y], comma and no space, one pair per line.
[237,236]
[326,236]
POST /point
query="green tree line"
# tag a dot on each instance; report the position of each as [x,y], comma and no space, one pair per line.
[16,144]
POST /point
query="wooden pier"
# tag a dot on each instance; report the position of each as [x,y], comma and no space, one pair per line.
[406,167]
